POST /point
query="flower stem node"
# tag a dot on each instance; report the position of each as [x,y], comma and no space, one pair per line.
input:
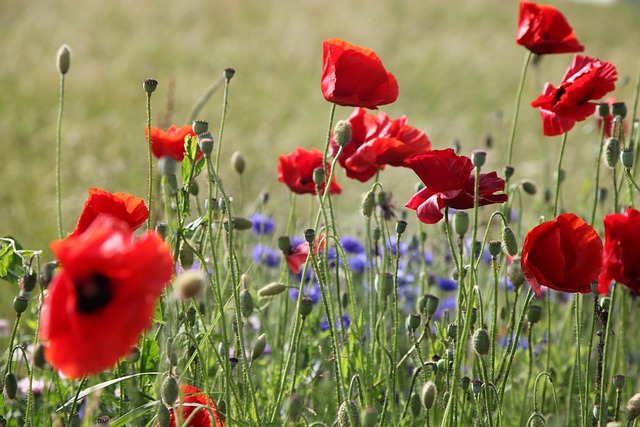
[401,226]
[348,414]
[461,223]
[149,85]
[272,289]
[626,158]
[20,304]
[246,303]
[534,314]
[612,152]
[63,59]
[169,391]
[259,346]
[510,242]
[478,158]
[238,163]
[200,126]
[189,284]
[369,417]
[342,132]
[428,395]
[229,73]
[306,305]
[619,109]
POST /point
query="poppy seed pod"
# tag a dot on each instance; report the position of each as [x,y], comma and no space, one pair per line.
[603,109]
[619,109]
[162,228]
[63,60]
[612,152]
[28,281]
[401,226]
[348,414]
[318,176]
[465,382]
[534,314]
[510,242]
[633,407]
[149,85]
[237,162]
[309,235]
[495,246]
[229,73]
[189,284]
[618,381]
[461,223]
[306,305]
[428,394]
[20,304]
[259,346]
[167,165]
[369,417]
[284,244]
[272,289]
[431,304]
[206,145]
[478,158]
[200,126]
[476,386]
[481,342]
[529,187]
[626,158]
[415,405]
[239,223]
[342,132]
[413,321]
[169,390]
[508,172]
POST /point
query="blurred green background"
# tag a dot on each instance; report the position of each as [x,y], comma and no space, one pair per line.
[456,62]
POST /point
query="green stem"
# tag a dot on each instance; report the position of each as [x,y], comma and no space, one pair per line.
[559,174]
[516,112]
[598,160]
[59,158]
[225,105]
[150,159]
[607,341]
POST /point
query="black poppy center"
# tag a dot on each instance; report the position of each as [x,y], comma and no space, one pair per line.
[93,294]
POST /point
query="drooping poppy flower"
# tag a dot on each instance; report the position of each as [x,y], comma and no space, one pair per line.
[586,80]
[196,407]
[354,76]
[543,29]
[449,181]
[564,254]
[296,170]
[171,142]
[608,120]
[103,296]
[126,207]
[376,141]
[621,255]
[298,255]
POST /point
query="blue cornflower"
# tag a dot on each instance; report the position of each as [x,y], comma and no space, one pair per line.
[446,284]
[357,263]
[312,292]
[265,255]
[262,224]
[391,246]
[446,304]
[352,245]
[346,322]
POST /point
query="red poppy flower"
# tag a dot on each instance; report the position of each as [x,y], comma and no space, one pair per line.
[449,181]
[299,254]
[564,254]
[376,141]
[171,142]
[354,76]
[196,407]
[587,79]
[608,120]
[621,255]
[103,296]
[123,206]
[296,170]
[543,29]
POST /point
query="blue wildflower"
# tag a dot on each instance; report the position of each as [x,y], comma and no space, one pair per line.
[357,263]
[352,245]
[312,292]
[446,284]
[262,224]
[346,322]
[265,255]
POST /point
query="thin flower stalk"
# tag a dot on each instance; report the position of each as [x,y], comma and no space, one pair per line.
[516,112]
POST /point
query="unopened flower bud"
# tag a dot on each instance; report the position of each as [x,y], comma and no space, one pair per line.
[167,165]
[377,234]
[481,342]
[515,272]
[149,85]
[63,60]
[508,172]
[619,109]
[293,407]
[237,162]
[318,176]
[189,284]
[199,126]
[284,244]
[509,240]
[348,414]
[368,203]
[28,280]
[246,303]
[415,404]
[229,73]
[534,314]
[461,223]
[455,273]
[169,391]
[401,226]
[259,346]
[384,284]
[342,133]
[369,417]
[306,305]
[47,272]
[38,356]
[478,158]
[612,152]
[529,187]
[186,256]
[10,385]
[239,223]
[272,289]
[633,407]
[428,395]
[164,416]
[626,158]
[442,365]
[452,330]
[194,188]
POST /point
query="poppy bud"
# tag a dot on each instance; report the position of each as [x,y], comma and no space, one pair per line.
[537,420]
[38,356]
[10,385]
[186,256]
[476,386]
[194,188]
[342,133]
[199,126]
[306,305]
[494,248]
[167,165]
[229,73]
[369,417]
[309,235]
[238,223]
[510,242]
[20,304]
[415,405]
[442,366]
[534,313]
[603,109]
[478,158]
[284,244]
[264,197]
[529,187]
[272,289]
[384,285]
[481,342]
[428,394]
[237,162]
[618,381]
[401,226]
[377,234]
[46,273]
[28,281]
[293,407]
[348,412]
[515,272]
[626,157]
[259,346]
[455,274]
[461,222]
[612,152]
[189,284]
[169,390]
[619,109]
[508,172]
[246,303]
[172,354]
[63,60]
[318,176]
[413,321]
[164,416]
[368,203]
[602,194]
[149,85]
[633,407]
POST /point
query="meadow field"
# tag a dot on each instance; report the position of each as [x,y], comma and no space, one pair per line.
[458,68]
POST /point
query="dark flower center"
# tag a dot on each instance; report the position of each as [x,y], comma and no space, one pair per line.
[93,294]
